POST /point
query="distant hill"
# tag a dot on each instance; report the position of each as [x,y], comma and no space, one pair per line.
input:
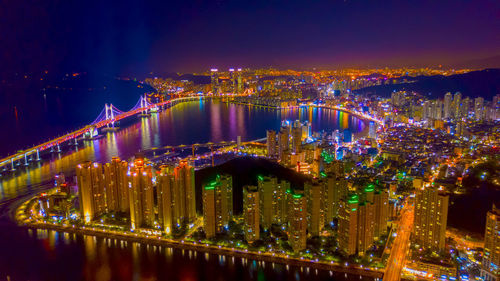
[490,62]
[484,83]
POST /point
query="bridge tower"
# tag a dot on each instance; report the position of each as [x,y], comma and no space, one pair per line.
[110,115]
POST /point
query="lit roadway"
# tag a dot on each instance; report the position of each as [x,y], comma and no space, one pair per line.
[196,225]
[400,246]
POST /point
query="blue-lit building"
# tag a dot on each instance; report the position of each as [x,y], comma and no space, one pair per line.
[347,135]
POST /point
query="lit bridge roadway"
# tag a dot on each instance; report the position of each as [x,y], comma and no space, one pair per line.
[354,113]
[107,118]
[194,146]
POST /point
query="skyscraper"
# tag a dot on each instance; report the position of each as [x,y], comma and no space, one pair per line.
[271,143]
[335,188]
[164,192]
[457,103]
[466,104]
[209,209]
[251,213]
[217,204]
[437,109]
[372,132]
[296,137]
[479,108]
[348,224]
[90,190]
[490,268]
[381,211]
[184,193]
[425,110]
[315,216]
[141,194]
[431,214]
[297,224]
[223,202]
[347,135]
[115,179]
[214,77]
[239,81]
[447,105]
[280,215]
[267,185]
[284,144]
[365,226]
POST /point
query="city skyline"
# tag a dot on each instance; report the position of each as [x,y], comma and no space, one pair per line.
[250,140]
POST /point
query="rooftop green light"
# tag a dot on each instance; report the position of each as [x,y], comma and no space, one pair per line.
[353,199]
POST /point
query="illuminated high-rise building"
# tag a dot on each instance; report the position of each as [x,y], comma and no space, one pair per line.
[116,185]
[426,110]
[217,204]
[315,216]
[271,143]
[214,77]
[437,110]
[267,185]
[457,103]
[184,193]
[372,132]
[296,137]
[464,110]
[365,226]
[284,144]
[90,190]
[335,167]
[381,212]
[347,135]
[280,204]
[348,224]
[306,130]
[431,214]
[165,183]
[297,220]
[224,201]
[141,194]
[447,105]
[232,76]
[479,108]
[239,81]
[209,209]
[251,213]
[334,189]
[490,268]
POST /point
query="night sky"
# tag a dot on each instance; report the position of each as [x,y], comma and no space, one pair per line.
[128,37]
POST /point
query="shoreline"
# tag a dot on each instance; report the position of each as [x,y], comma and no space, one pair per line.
[19,217]
[218,250]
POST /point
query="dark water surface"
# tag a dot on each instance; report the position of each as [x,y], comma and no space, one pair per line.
[49,255]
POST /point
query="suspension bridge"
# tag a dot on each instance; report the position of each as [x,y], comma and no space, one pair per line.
[106,120]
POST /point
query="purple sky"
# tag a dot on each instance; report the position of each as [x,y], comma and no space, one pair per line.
[166,36]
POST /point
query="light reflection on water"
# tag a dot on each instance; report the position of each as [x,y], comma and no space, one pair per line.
[110,259]
[186,123]
[63,256]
